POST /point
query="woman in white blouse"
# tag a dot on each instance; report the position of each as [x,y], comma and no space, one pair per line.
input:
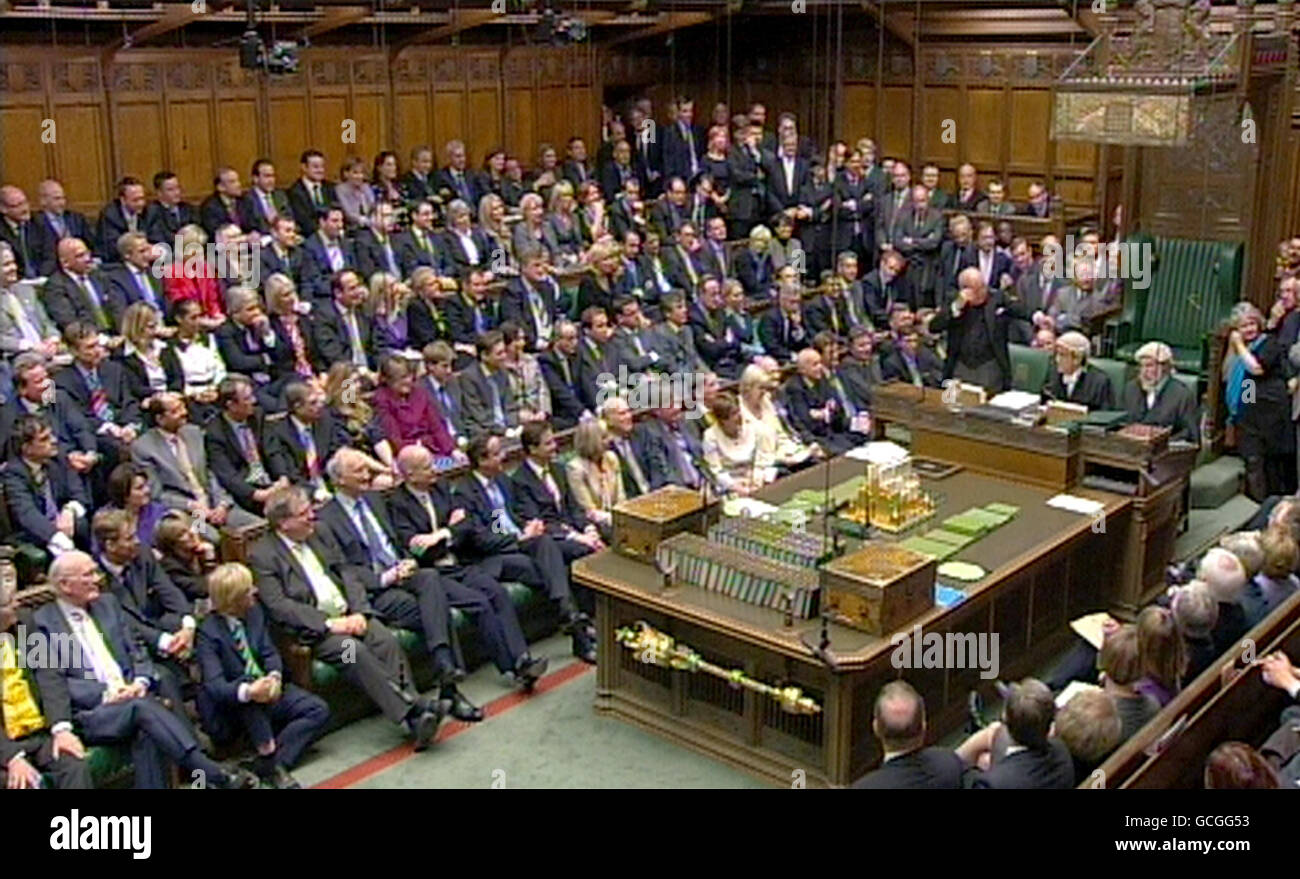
[150,366]
[737,451]
[756,407]
[196,349]
[595,476]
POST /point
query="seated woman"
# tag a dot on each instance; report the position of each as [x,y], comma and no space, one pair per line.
[1156,397]
[389,298]
[524,374]
[463,246]
[1238,766]
[183,555]
[405,411]
[1276,580]
[592,217]
[594,476]
[492,222]
[289,320]
[354,193]
[604,283]
[1162,654]
[787,451]
[384,178]
[191,276]
[532,231]
[562,221]
[1072,381]
[151,367]
[348,395]
[735,451]
[1256,370]
[201,362]
[1121,670]
[128,490]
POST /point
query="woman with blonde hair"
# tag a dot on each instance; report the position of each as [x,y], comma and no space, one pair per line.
[532,230]
[288,319]
[492,222]
[151,367]
[191,276]
[595,476]
[389,297]
[524,375]
[592,217]
[735,450]
[562,220]
[776,438]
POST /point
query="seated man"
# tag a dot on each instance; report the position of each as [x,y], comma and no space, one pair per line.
[1089,726]
[109,680]
[814,412]
[1156,397]
[560,369]
[233,443]
[1020,752]
[47,500]
[713,336]
[35,726]
[433,529]
[35,394]
[628,443]
[783,331]
[403,594]
[308,589]
[542,491]
[300,442]
[507,550]
[910,361]
[173,453]
[485,389]
[243,677]
[898,720]
[97,388]
[249,346]
[1072,381]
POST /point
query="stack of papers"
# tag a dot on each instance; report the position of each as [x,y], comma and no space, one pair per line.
[1014,400]
[1090,627]
[1074,504]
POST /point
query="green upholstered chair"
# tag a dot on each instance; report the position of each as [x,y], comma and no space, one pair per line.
[1029,367]
[1192,287]
[1118,371]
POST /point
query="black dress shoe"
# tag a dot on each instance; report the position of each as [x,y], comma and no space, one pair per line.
[237,778]
[584,646]
[529,671]
[462,708]
[423,727]
[281,779]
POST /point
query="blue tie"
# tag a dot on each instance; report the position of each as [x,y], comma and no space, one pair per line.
[382,555]
[499,510]
[684,459]
[498,413]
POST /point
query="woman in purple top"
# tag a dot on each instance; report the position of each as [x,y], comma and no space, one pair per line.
[405,410]
[389,297]
[1162,653]
[128,489]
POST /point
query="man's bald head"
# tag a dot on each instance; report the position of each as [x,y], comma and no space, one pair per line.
[13,204]
[809,363]
[74,256]
[899,718]
[971,280]
[413,457]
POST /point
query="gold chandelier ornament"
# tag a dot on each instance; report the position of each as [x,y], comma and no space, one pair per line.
[654,647]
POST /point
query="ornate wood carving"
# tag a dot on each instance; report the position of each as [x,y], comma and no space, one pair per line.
[75,76]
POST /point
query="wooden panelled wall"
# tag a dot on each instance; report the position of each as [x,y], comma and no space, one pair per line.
[191,110]
[1000,100]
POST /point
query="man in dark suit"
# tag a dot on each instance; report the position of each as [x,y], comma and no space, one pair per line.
[36,394]
[1072,381]
[341,330]
[968,195]
[35,727]
[541,490]
[379,247]
[1023,756]
[628,442]
[97,387]
[748,168]
[594,355]
[327,251]
[976,324]
[995,202]
[577,170]
[506,549]
[134,281]
[814,411]
[443,386]
[485,390]
[110,680]
[787,174]
[299,441]
[403,593]
[855,210]
[898,721]
[616,179]
[263,203]
[455,180]
[1156,397]
[884,287]
[78,292]
[939,199]
[243,679]
[530,300]
[1040,201]
[469,316]
[683,143]
[668,216]
[48,501]
[168,212]
[892,205]
[783,330]
[917,235]
[560,369]
[283,254]
[956,253]
[250,347]
[309,590]
[859,372]
[233,441]
[909,361]
[993,265]
[671,449]
[223,206]
[421,245]
[123,214]
[417,184]
[647,151]
[311,193]
[27,239]
[57,223]
[433,528]
[712,342]
[1036,282]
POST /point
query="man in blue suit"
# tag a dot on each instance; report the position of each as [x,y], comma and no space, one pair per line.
[243,676]
[108,676]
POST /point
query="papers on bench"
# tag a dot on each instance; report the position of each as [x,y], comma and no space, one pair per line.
[1090,627]
[1072,503]
[1014,400]
[744,506]
[882,452]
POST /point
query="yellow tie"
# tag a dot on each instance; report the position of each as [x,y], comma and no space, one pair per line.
[187,468]
[103,658]
[22,714]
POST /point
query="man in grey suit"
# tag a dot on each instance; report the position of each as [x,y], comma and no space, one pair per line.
[173,454]
[485,392]
[918,232]
[24,324]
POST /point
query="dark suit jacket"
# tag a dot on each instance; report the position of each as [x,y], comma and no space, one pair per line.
[330,336]
[304,209]
[1047,769]
[24,499]
[316,271]
[31,247]
[161,225]
[137,377]
[755,273]
[483,537]
[715,340]
[285,454]
[126,408]
[659,454]
[220,660]
[226,459]
[894,368]
[747,176]
[75,225]
[458,257]
[66,301]
[291,264]
[859,380]
[250,208]
[76,679]
[286,593]
[611,182]
[370,254]
[924,769]
[678,151]
[470,191]
[409,519]
[413,256]
[953,257]
[801,398]
[531,500]
[781,337]
[213,214]
[153,604]
[71,427]
[889,218]
[460,314]
[778,196]
[1092,389]
[515,305]
[335,520]
[244,351]
[566,397]
[878,297]
[638,444]
[998,312]
[476,398]
[123,291]
[922,250]
[112,226]
[1175,407]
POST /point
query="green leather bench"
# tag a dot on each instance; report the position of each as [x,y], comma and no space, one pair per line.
[1030,367]
[1192,288]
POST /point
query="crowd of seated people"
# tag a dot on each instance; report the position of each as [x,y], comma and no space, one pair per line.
[357,390]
